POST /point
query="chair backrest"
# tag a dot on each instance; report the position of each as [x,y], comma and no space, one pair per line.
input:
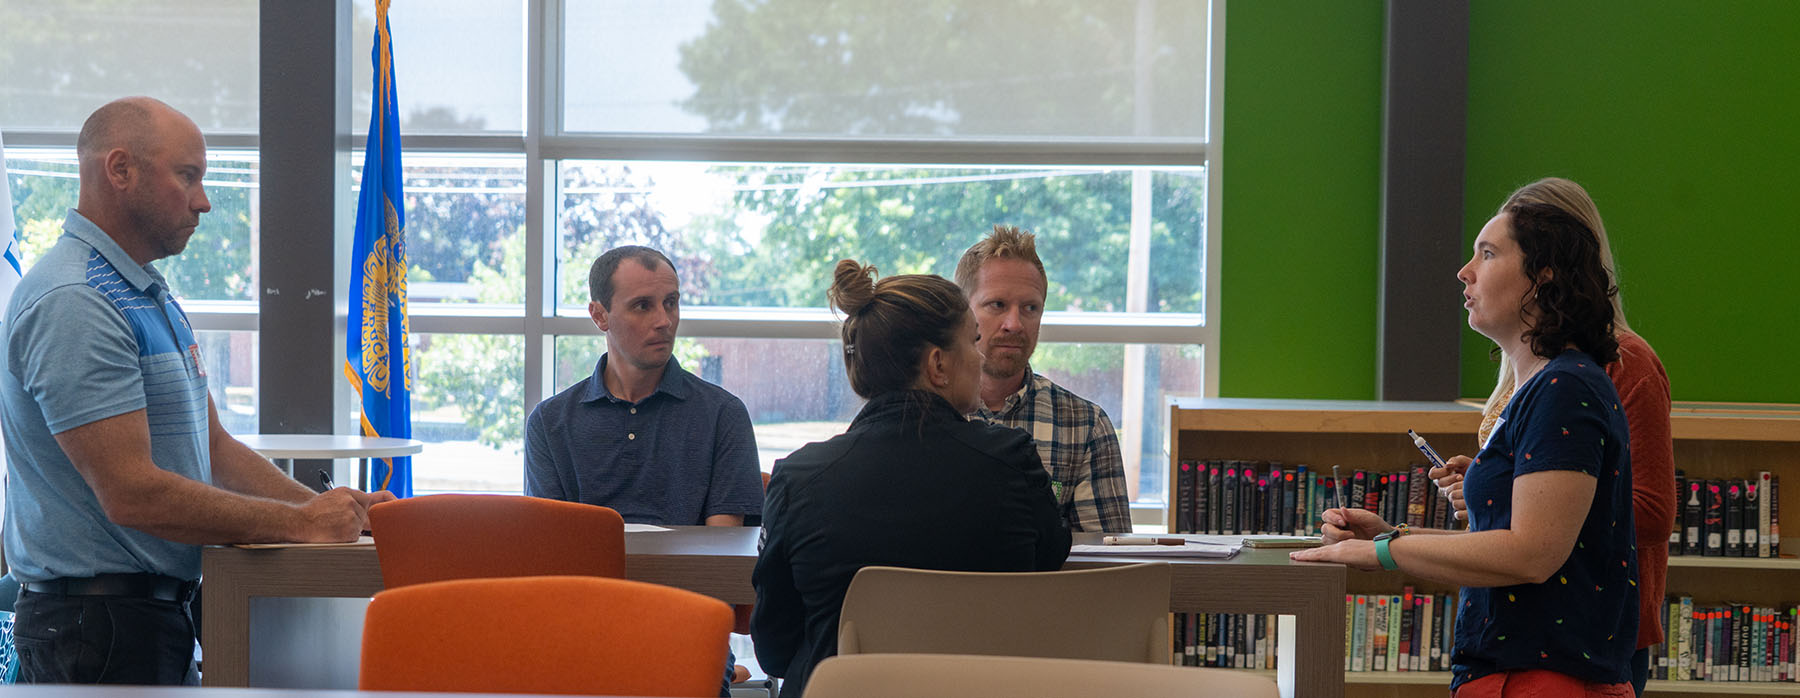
[460,536]
[947,676]
[571,635]
[1111,613]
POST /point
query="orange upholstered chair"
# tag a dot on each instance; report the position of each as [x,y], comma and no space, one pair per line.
[460,536]
[563,635]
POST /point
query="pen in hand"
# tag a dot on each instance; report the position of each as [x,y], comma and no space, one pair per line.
[325,479]
[1337,479]
[1431,454]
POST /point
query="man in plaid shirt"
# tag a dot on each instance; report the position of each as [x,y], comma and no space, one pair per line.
[1006,286]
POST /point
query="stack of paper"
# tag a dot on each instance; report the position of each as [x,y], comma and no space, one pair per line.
[1206,550]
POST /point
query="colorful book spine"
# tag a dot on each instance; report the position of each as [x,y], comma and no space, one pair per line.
[1763,504]
[1692,512]
[1712,522]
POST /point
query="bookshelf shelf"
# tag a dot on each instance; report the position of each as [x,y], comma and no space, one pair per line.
[1713,441]
[1740,563]
[1735,688]
[1440,679]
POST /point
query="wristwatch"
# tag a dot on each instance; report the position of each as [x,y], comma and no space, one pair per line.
[1381,547]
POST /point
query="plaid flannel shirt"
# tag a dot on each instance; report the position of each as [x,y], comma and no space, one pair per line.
[1077,443]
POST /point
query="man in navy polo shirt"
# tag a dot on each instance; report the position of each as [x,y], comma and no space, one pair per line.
[119,469]
[642,435]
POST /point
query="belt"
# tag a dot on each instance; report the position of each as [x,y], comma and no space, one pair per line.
[143,586]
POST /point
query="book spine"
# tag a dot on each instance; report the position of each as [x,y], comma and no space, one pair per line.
[1745,642]
[1359,488]
[1396,612]
[1660,653]
[1246,498]
[1734,519]
[1209,646]
[1349,630]
[1427,648]
[1184,497]
[1359,647]
[1290,501]
[1418,637]
[1747,514]
[1406,630]
[1670,656]
[1763,505]
[1685,635]
[1240,627]
[1378,629]
[1713,523]
[1675,544]
[1215,477]
[1692,512]
[1416,497]
[1447,636]
[1201,503]
[1230,488]
[1302,500]
[1177,633]
[1775,516]
[1261,521]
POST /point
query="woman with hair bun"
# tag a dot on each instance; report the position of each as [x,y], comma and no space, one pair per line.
[912,483]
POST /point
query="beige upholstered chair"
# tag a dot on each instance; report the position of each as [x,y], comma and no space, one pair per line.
[948,676]
[1112,613]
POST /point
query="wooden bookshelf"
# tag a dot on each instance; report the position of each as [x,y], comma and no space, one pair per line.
[1712,441]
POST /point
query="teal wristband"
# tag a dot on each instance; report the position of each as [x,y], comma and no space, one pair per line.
[1382,554]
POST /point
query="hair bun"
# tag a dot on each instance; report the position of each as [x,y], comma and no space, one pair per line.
[852,286]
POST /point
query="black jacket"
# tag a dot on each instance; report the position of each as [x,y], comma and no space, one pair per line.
[911,484]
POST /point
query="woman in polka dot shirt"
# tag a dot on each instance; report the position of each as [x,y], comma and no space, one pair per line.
[1548,566]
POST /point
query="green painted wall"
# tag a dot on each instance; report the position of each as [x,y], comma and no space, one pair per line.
[1682,119]
[1302,166]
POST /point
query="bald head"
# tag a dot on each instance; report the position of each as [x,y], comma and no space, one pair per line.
[142,165]
[132,123]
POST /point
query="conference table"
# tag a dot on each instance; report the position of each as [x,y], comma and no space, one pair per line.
[284,449]
[81,691]
[717,561]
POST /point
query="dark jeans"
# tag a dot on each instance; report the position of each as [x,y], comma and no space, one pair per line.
[1640,670]
[104,639]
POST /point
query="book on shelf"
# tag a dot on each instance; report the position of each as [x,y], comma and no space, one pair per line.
[1692,512]
[1764,502]
[1734,520]
[1727,642]
[1675,535]
[1712,520]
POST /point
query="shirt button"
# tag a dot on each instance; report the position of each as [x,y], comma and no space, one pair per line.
[634,410]
[631,437]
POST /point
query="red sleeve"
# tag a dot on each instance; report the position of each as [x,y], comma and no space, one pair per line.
[1644,392]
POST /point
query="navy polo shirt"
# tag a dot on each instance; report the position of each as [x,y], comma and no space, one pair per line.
[681,454]
[1583,620]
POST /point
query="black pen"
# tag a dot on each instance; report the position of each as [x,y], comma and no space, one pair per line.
[325,479]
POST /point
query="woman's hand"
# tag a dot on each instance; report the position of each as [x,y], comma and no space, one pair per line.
[1351,524]
[1449,480]
[1356,553]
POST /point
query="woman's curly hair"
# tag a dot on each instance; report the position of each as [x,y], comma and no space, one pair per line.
[1575,305]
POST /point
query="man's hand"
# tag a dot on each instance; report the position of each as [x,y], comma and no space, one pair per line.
[1351,524]
[1449,481]
[336,516]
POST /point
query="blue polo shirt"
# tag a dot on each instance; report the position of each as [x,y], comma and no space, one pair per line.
[681,454]
[89,334]
[1583,620]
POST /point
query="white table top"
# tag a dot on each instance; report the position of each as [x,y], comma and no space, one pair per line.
[329,446]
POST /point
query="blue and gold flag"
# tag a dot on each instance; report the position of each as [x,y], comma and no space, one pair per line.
[378,359]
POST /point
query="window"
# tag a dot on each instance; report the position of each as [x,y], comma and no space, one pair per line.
[758,142]
[60,61]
